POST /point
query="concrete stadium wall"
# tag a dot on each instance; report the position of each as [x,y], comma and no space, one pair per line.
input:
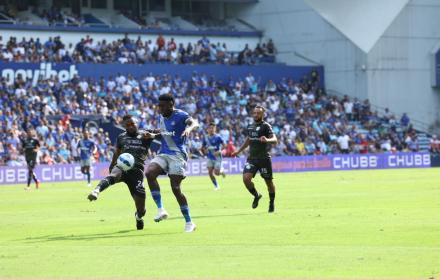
[399,65]
[233,43]
[302,36]
[396,73]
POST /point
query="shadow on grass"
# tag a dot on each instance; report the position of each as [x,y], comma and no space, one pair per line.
[196,217]
[85,237]
[123,233]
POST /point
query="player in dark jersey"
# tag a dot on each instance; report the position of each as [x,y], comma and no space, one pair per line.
[30,147]
[86,149]
[137,144]
[259,138]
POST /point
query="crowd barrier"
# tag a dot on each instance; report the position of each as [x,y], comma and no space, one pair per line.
[72,172]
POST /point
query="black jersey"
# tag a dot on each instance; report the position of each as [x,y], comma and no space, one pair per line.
[29,146]
[136,145]
[258,149]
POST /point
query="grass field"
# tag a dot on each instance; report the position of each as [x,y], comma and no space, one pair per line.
[357,224]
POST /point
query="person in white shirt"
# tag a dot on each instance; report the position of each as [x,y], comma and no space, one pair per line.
[344,143]
[348,109]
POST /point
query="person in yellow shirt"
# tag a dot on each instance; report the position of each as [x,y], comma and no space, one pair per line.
[300,146]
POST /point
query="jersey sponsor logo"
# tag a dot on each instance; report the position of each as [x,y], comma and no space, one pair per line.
[258,128]
[166,133]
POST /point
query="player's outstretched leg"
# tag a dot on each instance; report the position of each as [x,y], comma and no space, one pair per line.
[214,181]
[181,199]
[153,171]
[271,190]
[114,177]
[247,180]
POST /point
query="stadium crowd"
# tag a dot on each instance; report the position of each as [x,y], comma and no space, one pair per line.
[129,51]
[305,119]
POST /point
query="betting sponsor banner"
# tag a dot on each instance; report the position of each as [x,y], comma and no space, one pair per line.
[72,172]
[66,71]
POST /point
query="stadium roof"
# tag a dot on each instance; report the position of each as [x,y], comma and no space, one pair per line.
[362,22]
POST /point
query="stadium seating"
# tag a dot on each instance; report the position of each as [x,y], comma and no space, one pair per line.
[305,119]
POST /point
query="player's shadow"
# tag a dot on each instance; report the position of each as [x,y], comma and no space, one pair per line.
[89,237]
[217,216]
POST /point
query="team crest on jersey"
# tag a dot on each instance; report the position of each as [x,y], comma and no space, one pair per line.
[248,166]
[173,123]
[258,129]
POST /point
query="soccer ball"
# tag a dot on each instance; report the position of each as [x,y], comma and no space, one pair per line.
[125,161]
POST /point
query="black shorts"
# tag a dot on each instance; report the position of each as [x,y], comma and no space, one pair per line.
[31,162]
[134,179]
[264,166]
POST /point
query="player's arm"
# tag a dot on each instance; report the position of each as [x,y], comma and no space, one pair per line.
[118,152]
[243,147]
[114,159]
[191,124]
[270,138]
[94,149]
[151,133]
[204,148]
[222,147]
[37,146]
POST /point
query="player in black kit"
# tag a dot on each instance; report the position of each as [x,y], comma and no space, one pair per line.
[260,136]
[30,147]
[137,144]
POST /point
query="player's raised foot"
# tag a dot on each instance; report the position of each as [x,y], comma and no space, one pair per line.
[223,174]
[256,200]
[162,214]
[37,185]
[93,196]
[271,207]
[139,222]
[190,227]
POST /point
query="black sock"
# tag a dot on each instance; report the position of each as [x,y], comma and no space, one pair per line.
[139,215]
[88,177]
[253,191]
[105,183]
[29,180]
[34,177]
[272,197]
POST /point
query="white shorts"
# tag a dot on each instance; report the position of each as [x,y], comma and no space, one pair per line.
[216,164]
[85,163]
[171,164]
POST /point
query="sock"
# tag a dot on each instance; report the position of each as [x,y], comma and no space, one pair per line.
[157,198]
[214,181]
[253,191]
[88,177]
[139,215]
[272,197]
[185,212]
[34,177]
[105,183]
[29,180]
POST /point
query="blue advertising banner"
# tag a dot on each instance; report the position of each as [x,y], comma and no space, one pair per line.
[66,71]
[72,172]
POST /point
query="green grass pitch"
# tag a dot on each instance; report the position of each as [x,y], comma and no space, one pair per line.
[355,224]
